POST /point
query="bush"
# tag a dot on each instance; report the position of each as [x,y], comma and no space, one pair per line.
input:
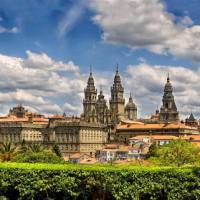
[37,157]
[53,181]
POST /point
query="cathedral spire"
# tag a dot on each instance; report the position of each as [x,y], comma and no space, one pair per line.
[168,78]
[117,100]
[168,111]
[89,100]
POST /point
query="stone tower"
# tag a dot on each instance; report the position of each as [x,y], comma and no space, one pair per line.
[102,109]
[168,110]
[89,101]
[131,109]
[191,121]
[117,100]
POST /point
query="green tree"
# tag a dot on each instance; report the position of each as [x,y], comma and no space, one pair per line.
[56,150]
[23,147]
[7,151]
[36,147]
[37,157]
[152,149]
[178,152]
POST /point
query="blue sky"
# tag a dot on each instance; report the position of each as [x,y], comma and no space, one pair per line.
[83,32]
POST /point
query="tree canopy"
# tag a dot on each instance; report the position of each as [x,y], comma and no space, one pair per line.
[177,152]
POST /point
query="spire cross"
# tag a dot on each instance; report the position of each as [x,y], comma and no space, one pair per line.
[117,68]
[90,69]
[168,79]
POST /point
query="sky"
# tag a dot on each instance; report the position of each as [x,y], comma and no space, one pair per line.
[48,46]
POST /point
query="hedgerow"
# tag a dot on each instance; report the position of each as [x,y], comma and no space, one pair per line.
[67,181]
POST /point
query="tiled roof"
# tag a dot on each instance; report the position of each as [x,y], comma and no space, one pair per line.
[153,126]
[155,137]
[56,117]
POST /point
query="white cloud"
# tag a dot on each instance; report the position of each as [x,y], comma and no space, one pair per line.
[6,30]
[39,82]
[43,61]
[71,17]
[146,24]
[186,21]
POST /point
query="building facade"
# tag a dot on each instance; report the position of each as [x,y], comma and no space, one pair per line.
[71,134]
[96,109]
[129,130]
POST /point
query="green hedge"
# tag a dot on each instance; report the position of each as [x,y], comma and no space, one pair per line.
[53,181]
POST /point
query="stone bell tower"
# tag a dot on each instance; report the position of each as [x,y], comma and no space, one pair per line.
[117,100]
[168,110]
[89,101]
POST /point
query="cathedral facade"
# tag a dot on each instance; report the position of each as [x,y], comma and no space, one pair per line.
[95,109]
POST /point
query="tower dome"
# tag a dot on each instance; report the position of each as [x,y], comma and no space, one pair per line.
[130,103]
[131,109]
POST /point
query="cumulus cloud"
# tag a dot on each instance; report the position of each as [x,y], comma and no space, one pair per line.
[39,82]
[43,61]
[147,24]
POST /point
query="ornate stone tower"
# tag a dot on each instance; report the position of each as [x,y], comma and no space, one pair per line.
[131,109]
[168,110]
[102,109]
[89,101]
[117,100]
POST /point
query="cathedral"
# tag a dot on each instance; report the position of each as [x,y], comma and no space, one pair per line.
[95,109]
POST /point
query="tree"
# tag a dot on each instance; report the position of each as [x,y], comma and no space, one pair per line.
[23,147]
[36,148]
[152,149]
[178,152]
[37,157]
[56,150]
[7,151]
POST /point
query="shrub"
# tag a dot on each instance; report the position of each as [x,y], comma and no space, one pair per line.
[48,181]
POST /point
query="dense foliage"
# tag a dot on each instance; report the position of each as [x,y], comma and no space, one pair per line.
[7,152]
[37,157]
[177,152]
[48,181]
[30,153]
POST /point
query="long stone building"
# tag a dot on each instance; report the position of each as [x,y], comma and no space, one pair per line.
[70,133]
